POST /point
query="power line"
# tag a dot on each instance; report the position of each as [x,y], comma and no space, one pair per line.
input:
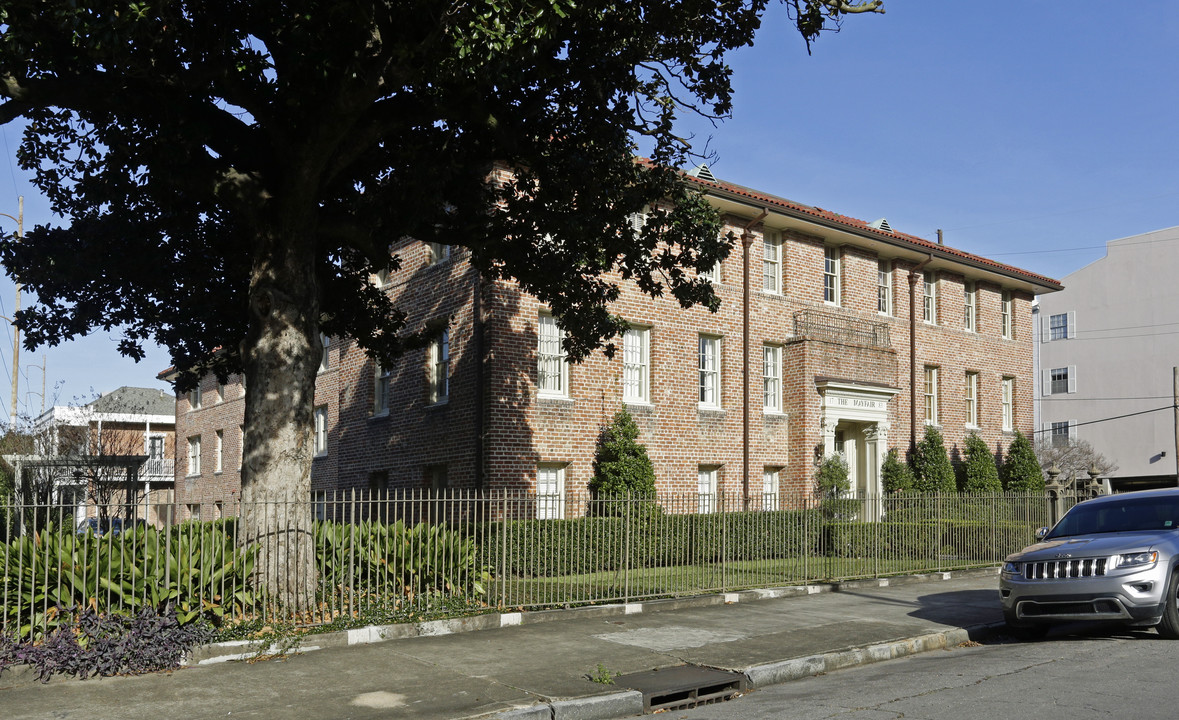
[1088,247]
[1086,399]
[1115,417]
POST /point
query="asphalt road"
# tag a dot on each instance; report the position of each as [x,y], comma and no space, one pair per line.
[1094,673]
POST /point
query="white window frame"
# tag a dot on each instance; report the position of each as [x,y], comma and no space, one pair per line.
[970,309]
[1006,326]
[709,366]
[1066,330]
[636,366]
[831,275]
[931,395]
[194,512]
[382,379]
[714,275]
[194,398]
[440,367]
[970,399]
[771,262]
[325,359]
[770,488]
[321,423]
[772,378]
[437,253]
[929,298]
[1007,391]
[884,287]
[706,483]
[552,369]
[550,491]
[1067,380]
[194,455]
[218,450]
[1068,434]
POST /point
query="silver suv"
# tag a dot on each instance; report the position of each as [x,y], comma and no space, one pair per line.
[1115,558]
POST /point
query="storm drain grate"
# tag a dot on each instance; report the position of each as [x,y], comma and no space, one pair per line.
[683,687]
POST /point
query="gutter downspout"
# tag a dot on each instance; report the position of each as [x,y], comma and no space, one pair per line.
[913,350]
[746,243]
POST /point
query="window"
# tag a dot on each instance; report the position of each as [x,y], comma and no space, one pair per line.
[1005,315]
[769,489]
[710,395]
[831,275]
[970,311]
[1059,381]
[550,491]
[884,287]
[772,378]
[194,511]
[319,502]
[929,299]
[437,253]
[325,361]
[552,372]
[321,418]
[930,395]
[194,455]
[382,277]
[636,365]
[440,367]
[155,448]
[706,488]
[1008,387]
[381,380]
[1062,326]
[1061,434]
[218,447]
[713,275]
[971,399]
[437,477]
[771,261]
[194,398]
[220,391]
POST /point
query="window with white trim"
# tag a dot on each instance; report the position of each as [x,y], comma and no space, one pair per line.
[437,253]
[772,378]
[194,398]
[1061,434]
[971,399]
[706,500]
[550,491]
[884,287]
[770,488]
[220,391]
[1059,381]
[930,395]
[929,298]
[1060,326]
[381,381]
[713,275]
[382,277]
[218,447]
[325,360]
[194,455]
[831,275]
[321,422]
[970,309]
[440,367]
[1007,386]
[636,365]
[710,367]
[552,372]
[1005,324]
[194,512]
[771,261]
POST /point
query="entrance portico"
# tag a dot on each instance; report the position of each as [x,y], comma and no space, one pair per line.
[854,421]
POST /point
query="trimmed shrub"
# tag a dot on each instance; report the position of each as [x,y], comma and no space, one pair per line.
[895,476]
[622,469]
[932,471]
[831,477]
[979,471]
[1021,470]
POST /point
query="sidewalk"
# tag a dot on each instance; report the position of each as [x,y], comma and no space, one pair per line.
[535,665]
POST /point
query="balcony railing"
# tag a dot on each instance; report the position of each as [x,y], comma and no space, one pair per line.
[815,325]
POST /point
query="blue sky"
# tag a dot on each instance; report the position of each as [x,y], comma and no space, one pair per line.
[1030,132]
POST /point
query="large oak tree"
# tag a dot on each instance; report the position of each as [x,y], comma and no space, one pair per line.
[231,172]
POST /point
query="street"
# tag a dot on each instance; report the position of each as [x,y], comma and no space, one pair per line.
[1100,673]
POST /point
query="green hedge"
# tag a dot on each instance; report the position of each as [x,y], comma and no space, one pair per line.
[541,548]
[963,540]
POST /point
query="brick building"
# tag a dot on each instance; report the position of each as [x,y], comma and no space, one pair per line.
[828,340]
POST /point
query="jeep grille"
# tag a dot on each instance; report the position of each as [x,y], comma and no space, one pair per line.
[1060,569]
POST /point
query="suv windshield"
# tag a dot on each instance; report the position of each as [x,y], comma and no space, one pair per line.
[1139,514]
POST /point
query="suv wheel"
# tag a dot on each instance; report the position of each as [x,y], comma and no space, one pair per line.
[1022,630]
[1169,627]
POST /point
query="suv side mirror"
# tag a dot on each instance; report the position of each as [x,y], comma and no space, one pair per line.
[1041,532]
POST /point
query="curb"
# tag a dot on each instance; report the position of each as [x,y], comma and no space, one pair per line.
[247,649]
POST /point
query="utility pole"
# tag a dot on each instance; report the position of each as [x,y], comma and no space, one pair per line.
[20,236]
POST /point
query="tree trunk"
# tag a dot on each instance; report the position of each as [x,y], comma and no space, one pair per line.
[281,354]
